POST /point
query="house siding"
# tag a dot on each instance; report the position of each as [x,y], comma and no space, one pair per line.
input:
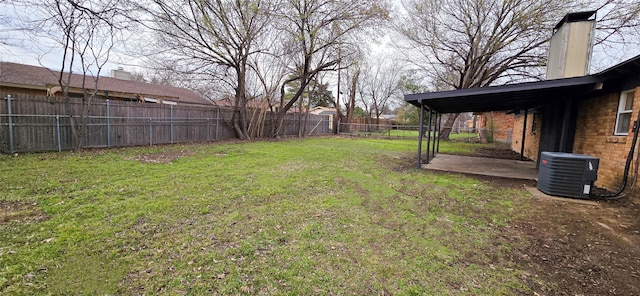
[595,136]
[532,136]
[24,91]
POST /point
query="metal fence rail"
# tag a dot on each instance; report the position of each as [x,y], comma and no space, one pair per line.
[410,131]
[381,130]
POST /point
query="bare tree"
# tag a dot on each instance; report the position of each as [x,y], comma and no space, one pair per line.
[617,30]
[5,20]
[317,33]
[378,85]
[213,37]
[353,76]
[86,32]
[463,44]
[269,71]
[350,69]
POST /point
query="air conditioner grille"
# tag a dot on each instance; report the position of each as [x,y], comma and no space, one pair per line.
[567,174]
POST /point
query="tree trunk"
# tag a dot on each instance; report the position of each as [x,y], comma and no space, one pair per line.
[445,130]
[239,117]
[352,97]
[306,117]
[277,127]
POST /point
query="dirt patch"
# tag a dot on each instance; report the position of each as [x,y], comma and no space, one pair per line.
[503,182]
[23,212]
[499,150]
[567,248]
[164,156]
[576,249]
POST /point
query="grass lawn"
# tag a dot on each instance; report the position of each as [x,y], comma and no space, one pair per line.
[408,133]
[317,216]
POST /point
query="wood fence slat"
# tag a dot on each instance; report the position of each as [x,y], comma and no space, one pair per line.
[36,129]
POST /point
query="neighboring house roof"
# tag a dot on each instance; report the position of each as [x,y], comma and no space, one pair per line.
[323,111]
[522,95]
[386,116]
[40,78]
[251,103]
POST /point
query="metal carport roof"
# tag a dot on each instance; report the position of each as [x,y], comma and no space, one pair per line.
[505,97]
[522,95]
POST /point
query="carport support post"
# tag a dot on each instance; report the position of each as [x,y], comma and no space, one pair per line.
[524,134]
[421,133]
[429,135]
[436,134]
[439,117]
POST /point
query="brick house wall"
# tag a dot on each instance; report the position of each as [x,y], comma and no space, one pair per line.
[595,136]
[532,136]
[502,125]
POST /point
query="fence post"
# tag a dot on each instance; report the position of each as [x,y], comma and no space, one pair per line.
[11,148]
[217,121]
[208,133]
[108,126]
[58,132]
[150,133]
[338,128]
[171,119]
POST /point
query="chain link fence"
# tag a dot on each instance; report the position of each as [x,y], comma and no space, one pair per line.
[143,124]
[410,131]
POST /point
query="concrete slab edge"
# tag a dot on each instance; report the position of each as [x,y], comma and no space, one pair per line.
[541,195]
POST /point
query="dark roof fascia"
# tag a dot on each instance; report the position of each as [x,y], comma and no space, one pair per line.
[631,65]
[526,95]
[503,89]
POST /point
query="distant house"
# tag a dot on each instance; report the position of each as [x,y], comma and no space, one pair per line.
[229,101]
[496,124]
[585,114]
[323,111]
[389,117]
[33,80]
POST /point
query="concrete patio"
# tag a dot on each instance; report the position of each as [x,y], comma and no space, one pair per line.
[484,166]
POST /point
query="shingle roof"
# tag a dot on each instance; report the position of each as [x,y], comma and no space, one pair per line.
[40,78]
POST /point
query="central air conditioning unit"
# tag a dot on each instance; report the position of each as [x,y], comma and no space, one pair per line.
[567,174]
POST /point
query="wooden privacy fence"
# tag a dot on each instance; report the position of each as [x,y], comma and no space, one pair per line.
[35,123]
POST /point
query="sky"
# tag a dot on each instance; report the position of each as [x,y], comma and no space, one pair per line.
[40,51]
[27,49]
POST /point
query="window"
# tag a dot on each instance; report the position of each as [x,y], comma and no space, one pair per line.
[625,107]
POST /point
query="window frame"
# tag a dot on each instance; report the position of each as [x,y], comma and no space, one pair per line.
[621,104]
